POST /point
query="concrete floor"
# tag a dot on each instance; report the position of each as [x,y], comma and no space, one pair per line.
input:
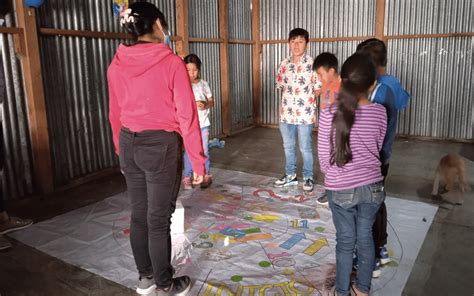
[445,265]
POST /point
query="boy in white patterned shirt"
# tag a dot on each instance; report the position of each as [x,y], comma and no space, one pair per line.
[296,80]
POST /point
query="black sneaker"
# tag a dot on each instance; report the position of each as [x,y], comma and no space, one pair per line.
[286,181]
[308,185]
[4,243]
[180,286]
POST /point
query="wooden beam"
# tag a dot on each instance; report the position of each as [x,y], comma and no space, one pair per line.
[419,36]
[224,63]
[380,19]
[328,39]
[11,30]
[220,40]
[18,38]
[182,46]
[206,40]
[241,41]
[88,34]
[36,106]
[256,62]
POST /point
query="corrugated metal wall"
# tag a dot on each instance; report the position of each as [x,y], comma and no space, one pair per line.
[240,64]
[438,72]
[210,71]
[18,167]
[439,75]
[240,19]
[93,15]
[323,18]
[203,22]
[273,54]
[203,19]
[240,76]
[428,17]
[74,74]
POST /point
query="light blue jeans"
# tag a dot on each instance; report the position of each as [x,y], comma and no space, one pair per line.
[188,169]
[305,141]
[353,214]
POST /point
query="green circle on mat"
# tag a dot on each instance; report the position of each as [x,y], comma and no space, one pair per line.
[319,229]
[204,236]
[236,278]
[248,218]
[264,264]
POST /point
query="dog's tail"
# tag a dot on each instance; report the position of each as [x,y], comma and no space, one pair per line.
[435,190]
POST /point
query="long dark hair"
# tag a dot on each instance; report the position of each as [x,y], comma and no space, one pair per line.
[141,19]
[358,73]
[376,48]
[193,59]
[5,7]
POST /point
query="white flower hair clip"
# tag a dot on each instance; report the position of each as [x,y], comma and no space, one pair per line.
[127,17]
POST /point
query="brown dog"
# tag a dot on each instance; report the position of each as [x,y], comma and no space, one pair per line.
[451,170]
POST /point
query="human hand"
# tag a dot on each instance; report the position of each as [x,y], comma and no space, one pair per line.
[197,179]
[201,105]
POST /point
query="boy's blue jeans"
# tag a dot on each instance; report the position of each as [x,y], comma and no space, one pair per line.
[305,141]
[188,170]
[353,214]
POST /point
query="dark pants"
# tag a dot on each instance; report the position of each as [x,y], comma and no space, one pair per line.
[152,162]
[380,225]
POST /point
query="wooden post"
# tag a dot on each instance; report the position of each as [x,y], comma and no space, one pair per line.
[380,20]
[224,61]
[256,62]
[33,80]
[182,45]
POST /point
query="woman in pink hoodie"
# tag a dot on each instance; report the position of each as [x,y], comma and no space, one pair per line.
[152,112]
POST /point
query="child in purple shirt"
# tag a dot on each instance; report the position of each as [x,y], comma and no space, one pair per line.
[351,135]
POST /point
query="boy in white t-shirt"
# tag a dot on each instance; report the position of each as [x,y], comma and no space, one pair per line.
[204,102]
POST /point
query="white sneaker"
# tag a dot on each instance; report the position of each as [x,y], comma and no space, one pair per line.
[285,181]
[146,285]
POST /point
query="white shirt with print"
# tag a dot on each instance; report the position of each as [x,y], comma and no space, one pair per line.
[202,92]
[297,82]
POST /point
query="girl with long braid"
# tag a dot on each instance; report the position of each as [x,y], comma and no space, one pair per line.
[351,134]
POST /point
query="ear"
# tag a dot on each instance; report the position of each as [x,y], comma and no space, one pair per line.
[158,24]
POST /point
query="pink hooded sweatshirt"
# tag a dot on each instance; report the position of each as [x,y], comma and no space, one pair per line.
[149,89]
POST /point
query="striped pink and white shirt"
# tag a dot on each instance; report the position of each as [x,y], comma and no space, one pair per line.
[366,139]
